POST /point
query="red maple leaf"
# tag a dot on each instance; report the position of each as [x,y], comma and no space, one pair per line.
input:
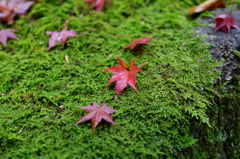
[60,37]
[7,33]
[124,75]
[98,4]
[9,9]
[225,22]
[138,41]
[96,114]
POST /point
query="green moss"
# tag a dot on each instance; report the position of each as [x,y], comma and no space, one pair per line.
[175,97]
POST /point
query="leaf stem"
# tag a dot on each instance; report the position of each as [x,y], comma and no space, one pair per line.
[99,99]
[65,25]
[143,64]
[230,13]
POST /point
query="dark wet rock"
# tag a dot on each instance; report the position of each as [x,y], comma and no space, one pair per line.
[224,45]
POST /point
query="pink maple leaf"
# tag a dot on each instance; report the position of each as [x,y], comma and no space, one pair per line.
[9,9]
[98,4]
[225,22]
[124,75]
[7,33]
[138,41]
[19,6]
[96,114]
[60,37]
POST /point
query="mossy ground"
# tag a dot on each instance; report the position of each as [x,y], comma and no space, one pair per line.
[175,91]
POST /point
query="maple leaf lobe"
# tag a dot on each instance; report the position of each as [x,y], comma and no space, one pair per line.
[225,22]
[138,41]
[7,33]
[98,4]
[96,114]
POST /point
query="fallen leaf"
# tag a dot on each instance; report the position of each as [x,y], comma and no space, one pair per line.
[225,22]
[9,9]
[124,75]
[60,37]
[98,4]
[206,6]
[96,114]
[138,41]
[7,33]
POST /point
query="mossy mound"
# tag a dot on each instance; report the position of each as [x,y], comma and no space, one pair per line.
[172,115]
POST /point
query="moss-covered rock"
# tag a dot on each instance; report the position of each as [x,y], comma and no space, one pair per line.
[174,114]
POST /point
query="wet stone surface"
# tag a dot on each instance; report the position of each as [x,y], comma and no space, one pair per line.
[225,46]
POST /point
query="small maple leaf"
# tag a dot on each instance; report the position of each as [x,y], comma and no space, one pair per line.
[7,33]
[124,75]
[61,36]
[138,41]
[96,114]
[98,4]
[225,22]
[9,9]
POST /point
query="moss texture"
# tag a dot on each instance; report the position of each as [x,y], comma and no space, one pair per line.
[174,114]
